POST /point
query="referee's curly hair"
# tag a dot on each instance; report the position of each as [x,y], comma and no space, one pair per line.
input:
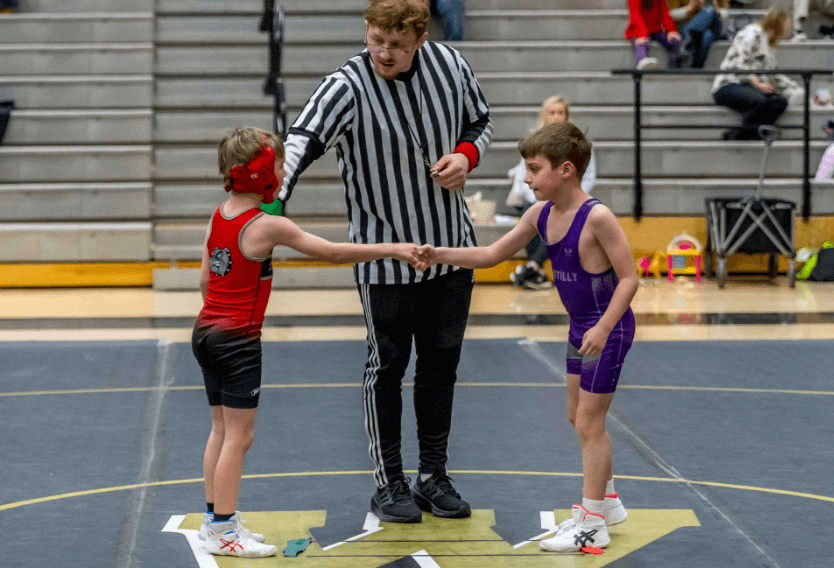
[399,15]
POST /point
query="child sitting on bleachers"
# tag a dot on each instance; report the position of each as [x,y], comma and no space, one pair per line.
[650,19]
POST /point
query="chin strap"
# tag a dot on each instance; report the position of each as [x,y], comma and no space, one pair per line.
[258,176]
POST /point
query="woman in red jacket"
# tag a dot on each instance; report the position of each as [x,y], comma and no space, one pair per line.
[650,19]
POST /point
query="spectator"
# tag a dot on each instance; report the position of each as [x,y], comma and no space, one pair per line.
[760,99]
[451,12]
[702,24]
[650,19]
[801,11]
[825,171]
[532,275]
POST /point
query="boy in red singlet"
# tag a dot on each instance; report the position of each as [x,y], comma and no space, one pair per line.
[236,280]
[594,274]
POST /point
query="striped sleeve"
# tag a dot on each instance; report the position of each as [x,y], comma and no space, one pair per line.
[477,125]
[325,118]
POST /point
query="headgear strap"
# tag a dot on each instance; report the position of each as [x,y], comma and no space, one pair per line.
[258,176]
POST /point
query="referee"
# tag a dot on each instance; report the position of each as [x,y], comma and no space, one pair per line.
[408,122]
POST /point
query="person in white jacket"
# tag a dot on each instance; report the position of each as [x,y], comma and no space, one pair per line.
[825,171]
[532,275]
[759,99]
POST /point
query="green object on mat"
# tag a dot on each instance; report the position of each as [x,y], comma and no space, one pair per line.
[274,208]
[296,547]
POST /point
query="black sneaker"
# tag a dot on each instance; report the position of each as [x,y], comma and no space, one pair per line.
[522,274]
[538,280]
[437,496]
[394,504]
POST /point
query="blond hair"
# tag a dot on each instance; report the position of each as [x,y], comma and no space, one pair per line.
[773,24]
[559,143]
[239,147]
[400,15]
[552,101]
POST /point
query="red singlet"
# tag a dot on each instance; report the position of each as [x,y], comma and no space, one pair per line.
[239,286]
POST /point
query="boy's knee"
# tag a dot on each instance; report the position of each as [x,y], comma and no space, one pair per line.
[588,427]
[246,440]
[582,426]
[241,440]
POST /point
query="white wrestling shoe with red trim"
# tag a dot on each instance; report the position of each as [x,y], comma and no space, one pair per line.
[613,509]
[202,534]
[586,530]
[226,539]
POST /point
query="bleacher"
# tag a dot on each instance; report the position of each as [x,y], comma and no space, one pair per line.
[110,154]
[76,164]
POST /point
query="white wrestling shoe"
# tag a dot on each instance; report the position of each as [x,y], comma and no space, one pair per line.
[207,517]
[613,509]
[586,529]
[226,539]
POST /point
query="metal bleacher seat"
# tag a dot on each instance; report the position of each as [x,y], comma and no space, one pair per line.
[129,114]
[76,160]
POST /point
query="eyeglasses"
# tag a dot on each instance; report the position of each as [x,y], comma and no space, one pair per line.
[379,48]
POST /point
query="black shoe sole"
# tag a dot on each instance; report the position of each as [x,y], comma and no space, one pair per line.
[377,510]
[426,505]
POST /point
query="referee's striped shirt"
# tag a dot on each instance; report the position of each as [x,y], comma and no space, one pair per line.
[389,191]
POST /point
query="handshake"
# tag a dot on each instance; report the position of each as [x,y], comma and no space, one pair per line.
[420,257]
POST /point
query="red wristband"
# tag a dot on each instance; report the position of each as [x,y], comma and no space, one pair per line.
[470,151]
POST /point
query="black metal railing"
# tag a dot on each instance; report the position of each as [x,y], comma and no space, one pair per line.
[637,76]
[272,22]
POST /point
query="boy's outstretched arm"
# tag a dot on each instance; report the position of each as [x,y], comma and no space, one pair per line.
[486,257]
[612,239]
[282,231]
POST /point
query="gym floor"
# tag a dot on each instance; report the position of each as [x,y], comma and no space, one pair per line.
[722,431]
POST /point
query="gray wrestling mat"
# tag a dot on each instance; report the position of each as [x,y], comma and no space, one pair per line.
[722,453]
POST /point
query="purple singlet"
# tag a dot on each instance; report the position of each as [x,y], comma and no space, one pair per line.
[586,297]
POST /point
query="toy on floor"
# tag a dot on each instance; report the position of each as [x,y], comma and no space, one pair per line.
[679,251]
[650,264]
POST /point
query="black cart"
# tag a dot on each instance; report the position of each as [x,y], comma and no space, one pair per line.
[751,225]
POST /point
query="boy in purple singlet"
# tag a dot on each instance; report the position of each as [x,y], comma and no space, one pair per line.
[594,274]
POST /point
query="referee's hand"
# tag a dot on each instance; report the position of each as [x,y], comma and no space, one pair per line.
[450,171]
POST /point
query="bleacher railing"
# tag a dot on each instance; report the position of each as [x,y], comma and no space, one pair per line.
[637,76]
[272,22]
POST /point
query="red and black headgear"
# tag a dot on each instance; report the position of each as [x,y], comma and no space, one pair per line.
[258,176]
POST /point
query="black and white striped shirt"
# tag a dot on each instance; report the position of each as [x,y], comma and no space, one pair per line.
[389,191]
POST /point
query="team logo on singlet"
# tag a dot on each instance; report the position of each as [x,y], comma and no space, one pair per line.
[220,261]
